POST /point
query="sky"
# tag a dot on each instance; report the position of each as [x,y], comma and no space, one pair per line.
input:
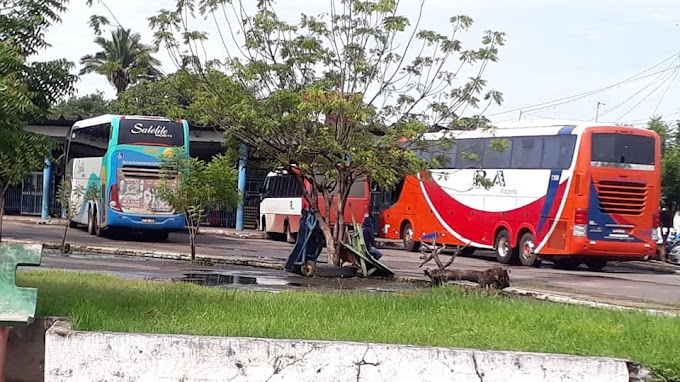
[554,49]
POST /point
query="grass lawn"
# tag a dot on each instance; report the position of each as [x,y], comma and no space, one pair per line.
[439,317]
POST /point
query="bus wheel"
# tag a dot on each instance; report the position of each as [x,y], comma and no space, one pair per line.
[97,226]
[407,237]
[566,264]
[596,264]
[504,252]
[90,222]
[267,235]
[290,238]
[526,250]
[72,224]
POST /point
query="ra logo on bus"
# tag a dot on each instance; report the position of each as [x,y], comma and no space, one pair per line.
[498,179]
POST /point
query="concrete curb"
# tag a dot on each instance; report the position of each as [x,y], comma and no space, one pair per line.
[128,356]
[278,265]
[246,234]
[201,259]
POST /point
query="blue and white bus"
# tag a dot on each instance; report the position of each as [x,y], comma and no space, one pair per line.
[123,164]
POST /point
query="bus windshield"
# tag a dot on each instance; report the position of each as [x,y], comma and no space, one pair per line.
[150,133]
[612,149]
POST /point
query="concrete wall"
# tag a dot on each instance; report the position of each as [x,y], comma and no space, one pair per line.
[26,352]
[92,356]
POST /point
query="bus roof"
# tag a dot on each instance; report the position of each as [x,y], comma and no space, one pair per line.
[108,117]
[527,128]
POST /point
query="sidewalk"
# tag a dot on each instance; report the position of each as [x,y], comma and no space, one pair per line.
[230,232]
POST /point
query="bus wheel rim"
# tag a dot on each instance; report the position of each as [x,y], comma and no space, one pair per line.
[503,248]
[528,249]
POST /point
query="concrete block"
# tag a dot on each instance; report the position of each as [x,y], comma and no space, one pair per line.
[73,355]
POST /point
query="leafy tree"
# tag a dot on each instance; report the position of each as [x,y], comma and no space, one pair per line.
[27,89]
[336,97]
[670,176]
[124,60]
[72,201]
[89,105]
[171,96]
[191,186]
[26,153]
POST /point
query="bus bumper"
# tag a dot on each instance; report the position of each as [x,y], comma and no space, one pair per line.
[146,223]
[614,250]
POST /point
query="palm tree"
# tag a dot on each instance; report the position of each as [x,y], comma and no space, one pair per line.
[124,60]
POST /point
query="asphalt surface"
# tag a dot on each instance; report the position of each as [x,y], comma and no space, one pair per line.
[632,287]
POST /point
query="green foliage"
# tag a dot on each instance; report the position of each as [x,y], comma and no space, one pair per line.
[72,201]
[90,105]
[22,152]
[336,94]
[123,60]
[191,186]
[670,162]
[26,152]
[172,96]
[28,89]
[432,317]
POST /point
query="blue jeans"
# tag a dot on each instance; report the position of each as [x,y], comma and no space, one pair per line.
[375,253]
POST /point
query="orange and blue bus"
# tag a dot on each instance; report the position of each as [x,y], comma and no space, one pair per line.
[564,191]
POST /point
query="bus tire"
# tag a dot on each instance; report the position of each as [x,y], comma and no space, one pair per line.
[505,254]
[596,264]
[97,226]
[72,224]
[410,245]
[90,221]
[290,238]
[526,250]
[567,263]
[267,235]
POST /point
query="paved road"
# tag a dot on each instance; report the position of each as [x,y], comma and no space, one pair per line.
[614,284]
[231,276]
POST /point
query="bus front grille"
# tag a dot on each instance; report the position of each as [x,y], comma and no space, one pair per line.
[623,198]
[144,172]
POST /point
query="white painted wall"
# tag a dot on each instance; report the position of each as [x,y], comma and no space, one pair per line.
[92,356]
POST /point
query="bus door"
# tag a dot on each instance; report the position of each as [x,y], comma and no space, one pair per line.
[557,155]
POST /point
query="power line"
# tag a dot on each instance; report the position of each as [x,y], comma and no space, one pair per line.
[666,91]
[647,96]
[561,101]
[651,83]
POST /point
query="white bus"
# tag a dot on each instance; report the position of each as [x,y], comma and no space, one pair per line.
[280,206]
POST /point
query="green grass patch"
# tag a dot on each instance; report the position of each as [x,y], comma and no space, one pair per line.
[438,317]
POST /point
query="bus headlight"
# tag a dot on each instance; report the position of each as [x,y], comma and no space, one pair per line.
[579,230]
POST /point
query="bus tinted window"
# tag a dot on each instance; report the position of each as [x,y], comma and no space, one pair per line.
[150,132]
[558,151]
[494,158]
[622,148]
[284,186]
[470,153]
[526,152]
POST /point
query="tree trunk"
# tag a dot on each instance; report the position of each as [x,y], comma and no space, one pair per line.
[331,244]
[192,242]
[495,277]
[2,208]
[63,239]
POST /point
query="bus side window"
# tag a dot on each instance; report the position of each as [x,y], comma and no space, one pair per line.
[526,152]
[495,158]
[558,151]
[470,152]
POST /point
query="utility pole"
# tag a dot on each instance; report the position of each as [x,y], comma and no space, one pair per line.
[597,110]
